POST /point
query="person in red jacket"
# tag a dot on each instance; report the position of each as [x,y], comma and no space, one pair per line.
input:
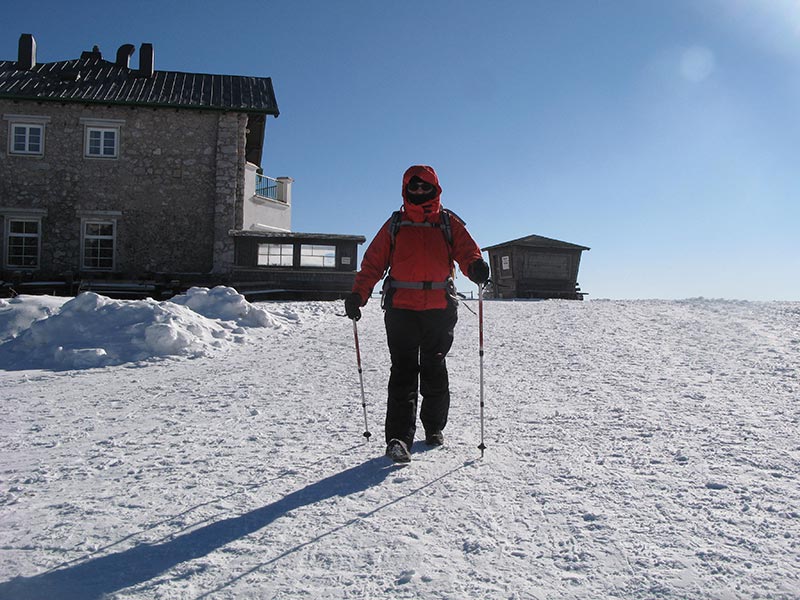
[416,251]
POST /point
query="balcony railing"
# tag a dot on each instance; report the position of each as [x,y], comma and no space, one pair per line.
[267,187]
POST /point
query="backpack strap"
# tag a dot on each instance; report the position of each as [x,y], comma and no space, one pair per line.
[394,226]
[447,229]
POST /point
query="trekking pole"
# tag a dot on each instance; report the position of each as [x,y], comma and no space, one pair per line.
[367,434]
[482,446]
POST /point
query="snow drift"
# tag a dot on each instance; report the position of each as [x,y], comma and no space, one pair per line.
[94,331]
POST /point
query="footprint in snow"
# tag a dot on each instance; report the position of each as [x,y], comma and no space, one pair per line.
[715,485]
[590,517]
[405,577]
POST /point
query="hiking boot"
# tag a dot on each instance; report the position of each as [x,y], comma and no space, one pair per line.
[398,451]
[434,438]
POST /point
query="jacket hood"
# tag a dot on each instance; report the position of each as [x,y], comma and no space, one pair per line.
[429,210]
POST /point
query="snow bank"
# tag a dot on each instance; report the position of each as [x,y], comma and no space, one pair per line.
[226,304]
[18,313]
[95,331]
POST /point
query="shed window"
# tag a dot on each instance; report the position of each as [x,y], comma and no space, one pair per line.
[23,243]
[99,241]
[275,255]
[312,255]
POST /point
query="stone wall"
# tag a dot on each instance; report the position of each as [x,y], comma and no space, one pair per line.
[175,190]
[229,190]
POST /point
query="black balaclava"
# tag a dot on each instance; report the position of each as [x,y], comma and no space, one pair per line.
[421,198]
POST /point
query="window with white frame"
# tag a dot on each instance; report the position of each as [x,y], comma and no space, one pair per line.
[98,243]
[275,255]
[315,255]
[27,139]
[102,142]
[101,137]
[26,134]
[23,242]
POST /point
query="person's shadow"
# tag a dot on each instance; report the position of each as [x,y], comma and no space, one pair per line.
[103,575]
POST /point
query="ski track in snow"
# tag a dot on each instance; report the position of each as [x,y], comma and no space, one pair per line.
[635,449]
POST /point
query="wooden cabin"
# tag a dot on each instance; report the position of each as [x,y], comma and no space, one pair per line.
[535,267]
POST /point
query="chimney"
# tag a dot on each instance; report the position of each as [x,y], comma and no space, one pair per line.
[124,55]
[146,60]
[94,53]
[27,52]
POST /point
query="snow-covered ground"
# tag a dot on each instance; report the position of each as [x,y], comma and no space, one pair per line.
[213,449]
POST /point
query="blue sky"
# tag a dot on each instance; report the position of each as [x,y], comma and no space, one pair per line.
[663,135]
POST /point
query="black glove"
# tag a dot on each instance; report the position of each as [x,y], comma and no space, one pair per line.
[352,306]
[478,272]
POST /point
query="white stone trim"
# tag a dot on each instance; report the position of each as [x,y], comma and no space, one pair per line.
[14,212]
[98,214]
[102,123]
[32,119]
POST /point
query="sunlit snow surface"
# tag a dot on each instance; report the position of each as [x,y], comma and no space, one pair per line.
[210,448]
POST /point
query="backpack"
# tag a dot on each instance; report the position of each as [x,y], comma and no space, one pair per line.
[395,223]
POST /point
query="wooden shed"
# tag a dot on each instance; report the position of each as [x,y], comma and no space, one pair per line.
[535,267]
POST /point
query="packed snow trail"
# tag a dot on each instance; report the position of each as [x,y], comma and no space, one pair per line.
[637,449]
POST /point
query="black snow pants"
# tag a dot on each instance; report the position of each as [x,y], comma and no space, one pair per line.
[418,344]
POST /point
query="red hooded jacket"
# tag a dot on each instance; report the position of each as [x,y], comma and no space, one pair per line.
[420,253]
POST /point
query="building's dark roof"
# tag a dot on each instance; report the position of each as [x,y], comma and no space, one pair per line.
[296,235]
[538,241]
[92,79]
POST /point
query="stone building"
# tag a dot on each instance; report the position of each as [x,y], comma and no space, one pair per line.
[134,181]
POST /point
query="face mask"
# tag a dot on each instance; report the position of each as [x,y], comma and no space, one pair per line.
[419,191]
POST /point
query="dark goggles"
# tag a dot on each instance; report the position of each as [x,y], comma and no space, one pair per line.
[419,185]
